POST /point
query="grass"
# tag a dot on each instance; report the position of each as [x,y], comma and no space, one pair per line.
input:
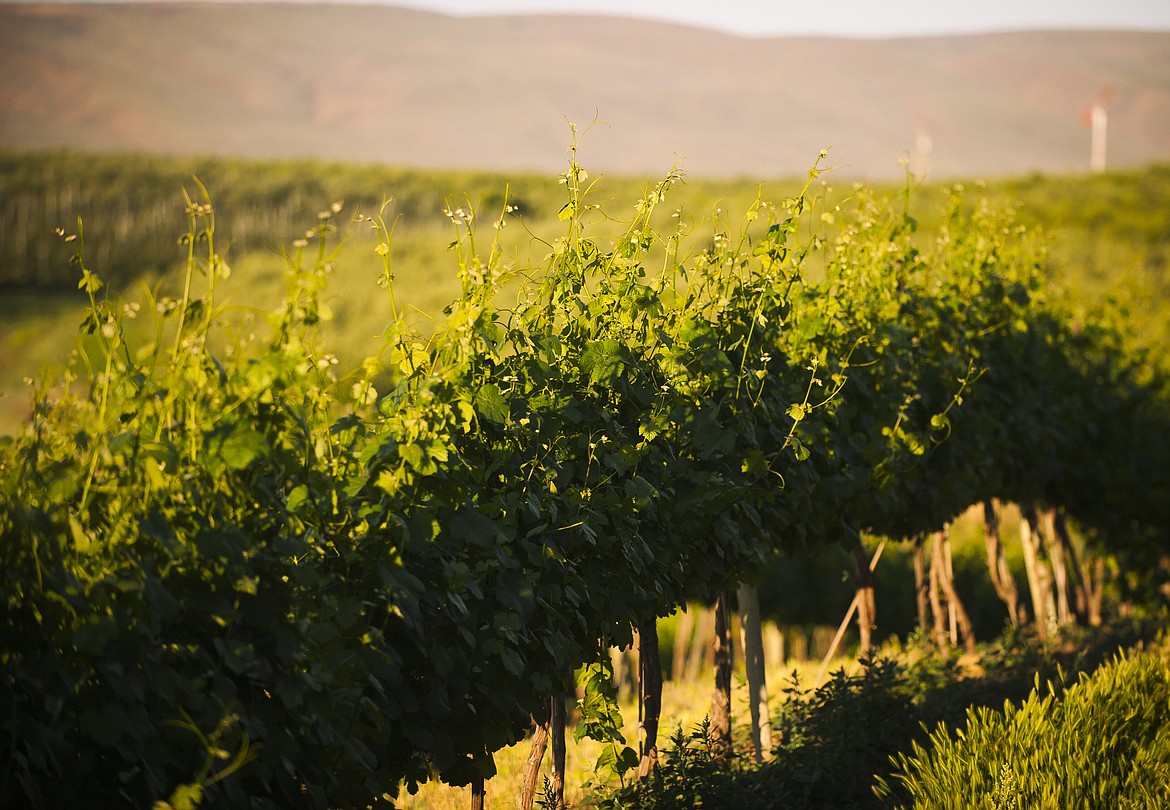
[37,332]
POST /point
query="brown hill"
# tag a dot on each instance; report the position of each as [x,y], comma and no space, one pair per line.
[373,83]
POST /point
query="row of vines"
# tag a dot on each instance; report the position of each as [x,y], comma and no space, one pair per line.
[229,576]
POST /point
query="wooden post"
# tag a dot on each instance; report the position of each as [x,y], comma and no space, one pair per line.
[1099,122]
[752,638]
[1093,575]
[1046,519]
[1078,588]
[877,555]
[775,652]
[617,662]
[920,584]
[866,604]
[959,618]
[1001,575]
[478,793]
[532,765]
[942,639]
[1039,577]
[721,700]
[948,582]
[650,691]
[557,733]
[702,648]
[682,642]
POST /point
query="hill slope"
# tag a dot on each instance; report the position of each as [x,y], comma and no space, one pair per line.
[373,83]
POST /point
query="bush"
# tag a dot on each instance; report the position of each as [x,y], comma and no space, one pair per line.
[838,742]
[831,743]
[694,775]
[1104,743]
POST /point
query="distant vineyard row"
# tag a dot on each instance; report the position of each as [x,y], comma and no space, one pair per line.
[1101,225]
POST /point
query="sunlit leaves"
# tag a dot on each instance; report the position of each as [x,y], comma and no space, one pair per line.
[490,403]
[240,448]
[602,361]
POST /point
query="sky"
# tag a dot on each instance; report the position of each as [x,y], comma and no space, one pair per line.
[834,18]
[851,18]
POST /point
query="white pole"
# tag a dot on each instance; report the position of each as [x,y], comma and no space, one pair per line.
[1098,120]
[923,147]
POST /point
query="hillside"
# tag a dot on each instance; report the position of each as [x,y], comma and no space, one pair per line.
[387,85]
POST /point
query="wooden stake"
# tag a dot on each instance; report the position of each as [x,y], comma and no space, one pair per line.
[960,620]
[877,555]
[682,642]
[1039,576]
[650,692]
[557,733]
[752,637]
[1046,519]
[942,639]
[920,584]
[866,604]
[997,565]
[721,700]
[478,793]
[532,765]
[702,648]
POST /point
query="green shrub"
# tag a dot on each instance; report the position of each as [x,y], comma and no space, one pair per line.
[831,742]
[693,775]
[1104,743]
[836,742]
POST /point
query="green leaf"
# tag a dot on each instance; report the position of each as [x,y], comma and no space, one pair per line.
[491,405]
[512,661]
[104,725]
[94,634]
[414,455]
[755,462]
[89,281]
[63,484]
[412,358]
[187,797]
[470,526]
[641,491]
[242,448]
[810,329]
[390,481]
[81,539]
[466,413]
[423,456]
[296,498]
[159,599]
[602,361]
[614,763]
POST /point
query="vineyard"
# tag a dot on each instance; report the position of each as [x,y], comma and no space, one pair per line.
[238,571]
